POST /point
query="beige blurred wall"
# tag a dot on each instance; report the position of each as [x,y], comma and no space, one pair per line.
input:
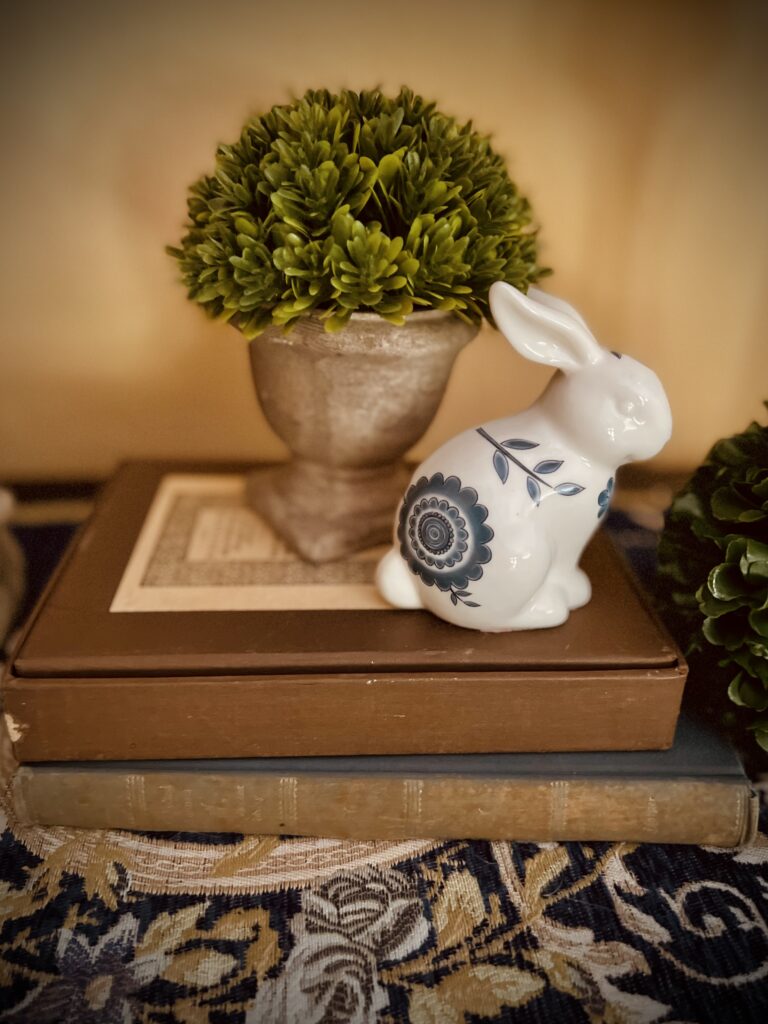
[638,130]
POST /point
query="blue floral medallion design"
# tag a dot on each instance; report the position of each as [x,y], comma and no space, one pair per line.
[443,535]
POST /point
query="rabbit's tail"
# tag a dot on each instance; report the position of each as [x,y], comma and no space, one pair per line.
[396,583]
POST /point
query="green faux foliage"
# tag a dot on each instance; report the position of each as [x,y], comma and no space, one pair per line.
[354,201]
[714,563]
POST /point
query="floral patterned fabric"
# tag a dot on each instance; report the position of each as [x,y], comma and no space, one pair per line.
[116,928]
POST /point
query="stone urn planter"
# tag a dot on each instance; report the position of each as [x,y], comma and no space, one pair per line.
[339,214]
[348,405]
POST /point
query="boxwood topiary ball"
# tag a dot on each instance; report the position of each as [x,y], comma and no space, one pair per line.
[354,201]
[713,560]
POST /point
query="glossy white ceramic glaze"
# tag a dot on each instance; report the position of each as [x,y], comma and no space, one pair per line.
[491,529]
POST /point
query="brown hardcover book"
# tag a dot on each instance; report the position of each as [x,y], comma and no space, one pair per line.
[696,792]
[178,628]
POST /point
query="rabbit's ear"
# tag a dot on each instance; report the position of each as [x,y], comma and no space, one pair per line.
[558,305]
[543,329]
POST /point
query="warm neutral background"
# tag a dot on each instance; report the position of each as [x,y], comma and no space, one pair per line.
[638,130]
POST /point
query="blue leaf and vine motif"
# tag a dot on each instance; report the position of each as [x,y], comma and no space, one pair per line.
[503,457]
[443,535]
[604,499]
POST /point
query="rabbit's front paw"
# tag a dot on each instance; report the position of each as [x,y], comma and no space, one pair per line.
[548,607]
[576,586]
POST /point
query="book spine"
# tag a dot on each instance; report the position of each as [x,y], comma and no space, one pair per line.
[75,719]
[385,807]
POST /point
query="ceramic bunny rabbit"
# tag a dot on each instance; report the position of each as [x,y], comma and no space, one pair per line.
[491,529]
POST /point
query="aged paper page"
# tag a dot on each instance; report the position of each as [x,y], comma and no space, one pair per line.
[202,549]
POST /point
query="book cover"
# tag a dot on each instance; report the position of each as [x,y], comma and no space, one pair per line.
[695,792]
[179,627]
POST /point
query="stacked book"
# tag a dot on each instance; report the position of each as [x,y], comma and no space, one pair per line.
[184,671]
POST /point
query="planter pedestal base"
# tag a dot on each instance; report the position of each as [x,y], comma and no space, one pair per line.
[326,512]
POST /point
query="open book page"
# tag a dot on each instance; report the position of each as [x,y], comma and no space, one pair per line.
[203,549]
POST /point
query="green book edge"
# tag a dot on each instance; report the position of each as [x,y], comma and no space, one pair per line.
[699,752]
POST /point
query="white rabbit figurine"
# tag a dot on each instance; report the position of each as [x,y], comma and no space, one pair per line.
[491,530]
